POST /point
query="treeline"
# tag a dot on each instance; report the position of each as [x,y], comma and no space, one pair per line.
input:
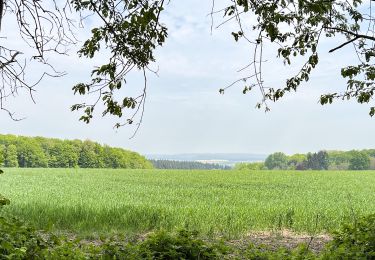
[322,160]
[188,165]
[40,152]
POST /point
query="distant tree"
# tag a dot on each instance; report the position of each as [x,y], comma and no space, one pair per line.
[112,157]
[2,154]
[10,158]
[137,162]
[370,152]
[359,161]
[116,158]
[317,161]
[277,161]
[30,154]
[90,155]
[295,161]
[188,165]
[339,160]
[256,166]
[63,155]
[301,166]
[56,153]
[372,163]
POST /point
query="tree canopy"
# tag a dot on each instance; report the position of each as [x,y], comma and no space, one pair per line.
[359,161]
[40,152]
[297,28]
[322,160]
[277,161]
[131,30]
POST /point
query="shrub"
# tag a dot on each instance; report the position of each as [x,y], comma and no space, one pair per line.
[256,166]
[70,250]
[277,161]
[353,241]
[18,241]
[183,245]
[359,161]
[264,252]
[317,161]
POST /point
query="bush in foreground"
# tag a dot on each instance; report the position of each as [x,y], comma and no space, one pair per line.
[353,241]
[18,241]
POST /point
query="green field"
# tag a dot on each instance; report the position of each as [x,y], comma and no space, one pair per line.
[214,202]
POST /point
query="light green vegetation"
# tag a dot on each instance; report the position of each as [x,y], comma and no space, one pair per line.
[100,201]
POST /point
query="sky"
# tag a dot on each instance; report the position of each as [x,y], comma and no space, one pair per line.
[185,113]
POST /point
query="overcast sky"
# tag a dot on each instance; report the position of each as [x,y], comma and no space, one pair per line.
[185,112]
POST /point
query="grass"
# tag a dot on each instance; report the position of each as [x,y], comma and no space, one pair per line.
[231,203]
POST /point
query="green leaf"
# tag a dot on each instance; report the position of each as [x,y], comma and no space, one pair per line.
[372,111]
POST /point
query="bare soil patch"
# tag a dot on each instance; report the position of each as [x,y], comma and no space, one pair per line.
[283,238]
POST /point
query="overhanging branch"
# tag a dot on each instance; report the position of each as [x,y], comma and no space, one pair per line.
[344,44]
[357,35]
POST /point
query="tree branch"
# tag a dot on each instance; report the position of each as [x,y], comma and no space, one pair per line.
[344,44]
[364,36]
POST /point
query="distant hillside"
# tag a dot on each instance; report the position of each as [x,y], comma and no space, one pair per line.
[187,165]
[218,158]
[40,152]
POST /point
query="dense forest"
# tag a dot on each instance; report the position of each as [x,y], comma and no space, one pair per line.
[187,165]
[40,152]
[322,160]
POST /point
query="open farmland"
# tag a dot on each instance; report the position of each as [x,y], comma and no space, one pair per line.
[99,201]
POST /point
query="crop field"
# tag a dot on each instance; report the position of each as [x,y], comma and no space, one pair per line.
[232,203]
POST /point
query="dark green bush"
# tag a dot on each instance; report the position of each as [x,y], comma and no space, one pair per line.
[264,252]
[18,241]
[164,245]
[183,245]
[353,241]
[69,250]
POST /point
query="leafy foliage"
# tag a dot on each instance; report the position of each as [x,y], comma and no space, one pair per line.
[10,156]
[297,161]
[354,240]
[19,241]
[39,152]
[276,161]
[296,28]
[250,166]
[183,245]
[317,161]
[322,160]
[131,31]
[2,154]
[264,252]
[359,161]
